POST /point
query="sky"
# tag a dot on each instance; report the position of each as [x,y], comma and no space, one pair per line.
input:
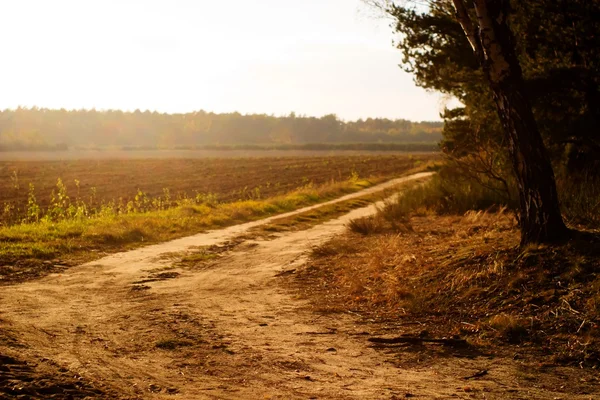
[312,57]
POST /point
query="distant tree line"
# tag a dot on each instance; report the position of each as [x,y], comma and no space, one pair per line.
[40,128]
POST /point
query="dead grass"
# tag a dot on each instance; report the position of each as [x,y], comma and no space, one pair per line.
[464,275]
[366,226]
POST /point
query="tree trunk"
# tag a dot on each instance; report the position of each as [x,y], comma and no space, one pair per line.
[540,218]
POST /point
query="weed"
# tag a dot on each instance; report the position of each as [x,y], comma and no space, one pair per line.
[141,202]
[33,209]
[209,199]
[8,211]
[14,180]
[93,196]
[59,202]
[167,198]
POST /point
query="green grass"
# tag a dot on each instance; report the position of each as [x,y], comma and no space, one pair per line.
[88,237]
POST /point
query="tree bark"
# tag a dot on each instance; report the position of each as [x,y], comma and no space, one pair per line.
[540,218]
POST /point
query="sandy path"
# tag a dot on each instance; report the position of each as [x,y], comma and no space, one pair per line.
[137,324]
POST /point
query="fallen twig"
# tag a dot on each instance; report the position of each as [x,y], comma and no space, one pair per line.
[286,272]
[329,332]
[46,332]
[477,374]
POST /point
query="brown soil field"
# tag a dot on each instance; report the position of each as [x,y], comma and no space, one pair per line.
[228,178]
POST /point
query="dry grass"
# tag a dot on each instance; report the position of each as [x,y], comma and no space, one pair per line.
[397,256]
[464,275]
[367,225]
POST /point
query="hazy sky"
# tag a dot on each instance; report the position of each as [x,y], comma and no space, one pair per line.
[313,57]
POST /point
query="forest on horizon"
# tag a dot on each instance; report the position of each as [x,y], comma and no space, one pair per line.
[51,129]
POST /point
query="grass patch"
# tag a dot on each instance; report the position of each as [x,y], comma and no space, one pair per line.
[510,327]
[449,192]
[199,257]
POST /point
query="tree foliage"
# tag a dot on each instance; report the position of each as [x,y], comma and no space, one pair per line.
[557,45]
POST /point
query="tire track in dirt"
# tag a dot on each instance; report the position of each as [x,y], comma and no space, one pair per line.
[138,324]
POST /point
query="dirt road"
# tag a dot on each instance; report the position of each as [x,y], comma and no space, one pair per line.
[141,325]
